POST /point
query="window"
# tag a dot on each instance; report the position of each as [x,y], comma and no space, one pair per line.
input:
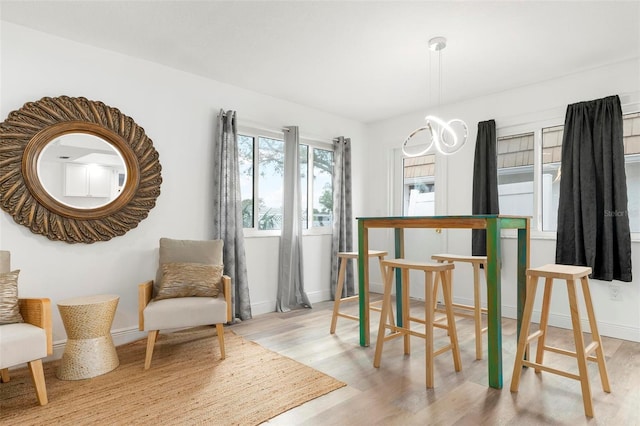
[270,181]
[419,188]
[551,159]
[518,179]
[261,162]
[322,188]
[245,164]
[515,174]
[631,137]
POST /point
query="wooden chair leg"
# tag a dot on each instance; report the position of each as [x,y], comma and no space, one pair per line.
[532,284]
[544,322]
[220,330]
[602,365]
[338,294]
[451,321]
[4,375]
[436,284]
[428,326]
[37,376]
[406,310]
[151,341]
[386,307]
[392,320]
[580,350]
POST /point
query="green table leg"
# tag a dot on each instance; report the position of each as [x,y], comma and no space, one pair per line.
[523,262]
[399,248]
[363,263]
[494,303]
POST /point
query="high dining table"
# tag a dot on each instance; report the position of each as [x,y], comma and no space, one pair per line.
[493,225]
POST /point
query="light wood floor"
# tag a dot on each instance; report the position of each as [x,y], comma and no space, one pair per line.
[395,393]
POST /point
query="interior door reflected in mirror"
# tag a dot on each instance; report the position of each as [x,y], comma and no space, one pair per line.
[81,170]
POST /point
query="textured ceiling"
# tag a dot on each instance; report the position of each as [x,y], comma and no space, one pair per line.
[363,60]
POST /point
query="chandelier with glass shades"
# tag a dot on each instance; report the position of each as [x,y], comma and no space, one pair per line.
[446,137]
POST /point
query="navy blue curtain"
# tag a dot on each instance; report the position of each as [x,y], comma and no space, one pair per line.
[485,182]
[593,220]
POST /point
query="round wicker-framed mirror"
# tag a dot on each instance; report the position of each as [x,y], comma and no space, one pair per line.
[32,129]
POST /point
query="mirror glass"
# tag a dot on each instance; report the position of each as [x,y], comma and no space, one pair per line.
[81,170]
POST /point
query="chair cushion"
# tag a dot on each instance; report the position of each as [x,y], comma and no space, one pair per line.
[5,261]
[189,280]
[207,252]
[184,312]
[21,343]
[9,308]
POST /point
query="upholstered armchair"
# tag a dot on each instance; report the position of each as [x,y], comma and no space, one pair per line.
[23,342]
[189,291]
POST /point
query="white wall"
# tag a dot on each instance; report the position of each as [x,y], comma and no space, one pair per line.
[515,111]
[177,111]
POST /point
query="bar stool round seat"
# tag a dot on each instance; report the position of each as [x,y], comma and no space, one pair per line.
[344,257]
[403,329]
[462,309]
[582,353]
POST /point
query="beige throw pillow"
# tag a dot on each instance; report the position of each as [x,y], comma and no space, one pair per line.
[9,308]
[181,279]
[207,252]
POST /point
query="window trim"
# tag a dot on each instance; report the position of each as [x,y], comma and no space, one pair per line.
[326,146]
[256,133]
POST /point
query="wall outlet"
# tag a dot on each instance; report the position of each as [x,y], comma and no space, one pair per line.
[615,291]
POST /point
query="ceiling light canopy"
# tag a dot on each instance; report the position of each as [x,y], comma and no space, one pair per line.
[437,43]
[447,137]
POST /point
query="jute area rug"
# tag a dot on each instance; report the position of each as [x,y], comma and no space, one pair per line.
[186,384]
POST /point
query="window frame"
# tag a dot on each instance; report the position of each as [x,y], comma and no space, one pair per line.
[257,133]
[326,146]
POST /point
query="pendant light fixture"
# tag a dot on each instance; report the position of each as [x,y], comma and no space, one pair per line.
[446,137]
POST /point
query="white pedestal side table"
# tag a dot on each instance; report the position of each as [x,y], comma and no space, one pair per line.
[89,351]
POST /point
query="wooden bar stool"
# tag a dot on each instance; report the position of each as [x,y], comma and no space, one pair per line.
[429,270]
[582,353]
[344,259]
[476,308]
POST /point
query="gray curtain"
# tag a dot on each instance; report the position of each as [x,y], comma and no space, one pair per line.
[342,237]
[291,292]
[227,211]
[485,182]
[593,220]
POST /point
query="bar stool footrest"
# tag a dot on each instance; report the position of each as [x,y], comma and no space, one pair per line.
[349,298]
[534,335]
[551,370]
[351,317]
[590,348]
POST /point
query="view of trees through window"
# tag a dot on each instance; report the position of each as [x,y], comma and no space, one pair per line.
[261,161]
